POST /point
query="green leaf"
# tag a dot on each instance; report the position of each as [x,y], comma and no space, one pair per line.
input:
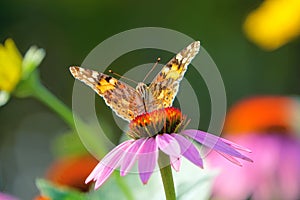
[48,189]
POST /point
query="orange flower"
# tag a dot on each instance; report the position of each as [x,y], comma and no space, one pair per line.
[72,171]
[42,198]
[260,114]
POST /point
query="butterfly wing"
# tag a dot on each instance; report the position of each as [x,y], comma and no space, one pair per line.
[122,98]
[165,85]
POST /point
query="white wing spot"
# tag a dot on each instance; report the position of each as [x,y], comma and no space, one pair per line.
[90,79]
[165,70]
[95,75]
[178,57]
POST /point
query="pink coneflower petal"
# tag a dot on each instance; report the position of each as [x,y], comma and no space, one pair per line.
[215,143]
[188,150]
[99,168]
[105,174]
[230,158]
[148,155]
[236,146]
[175,162]
[106,166]
[168,144]
[130,156]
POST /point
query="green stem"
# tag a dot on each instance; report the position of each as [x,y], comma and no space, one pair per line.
[45,96]
[166,176]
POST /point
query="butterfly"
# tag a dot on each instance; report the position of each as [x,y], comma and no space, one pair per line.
[128,102]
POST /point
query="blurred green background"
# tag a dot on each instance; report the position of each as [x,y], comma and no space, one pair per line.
[69,30]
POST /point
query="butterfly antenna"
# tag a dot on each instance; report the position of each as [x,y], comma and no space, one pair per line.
[116,74]
[155,64]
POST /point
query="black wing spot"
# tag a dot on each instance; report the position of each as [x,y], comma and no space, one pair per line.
[175,61]
[163,74]
[108,78]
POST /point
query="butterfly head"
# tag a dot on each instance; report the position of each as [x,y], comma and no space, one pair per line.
[141,88]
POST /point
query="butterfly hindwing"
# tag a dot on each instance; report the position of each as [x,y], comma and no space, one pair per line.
[122,98]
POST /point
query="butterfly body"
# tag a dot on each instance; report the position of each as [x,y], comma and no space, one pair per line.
[128,102]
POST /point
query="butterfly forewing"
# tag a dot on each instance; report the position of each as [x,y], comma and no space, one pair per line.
[122,98]
[165,85]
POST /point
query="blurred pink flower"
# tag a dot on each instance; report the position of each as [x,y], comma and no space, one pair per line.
[4,196]
[161,130]
[276,171]
[274,175]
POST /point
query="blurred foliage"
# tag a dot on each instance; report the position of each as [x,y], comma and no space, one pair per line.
[49,190]
[69,30]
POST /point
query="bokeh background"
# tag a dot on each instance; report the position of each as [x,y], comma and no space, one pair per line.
[69,30]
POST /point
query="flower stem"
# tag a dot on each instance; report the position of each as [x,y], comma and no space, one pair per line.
[40,92]
[166,176]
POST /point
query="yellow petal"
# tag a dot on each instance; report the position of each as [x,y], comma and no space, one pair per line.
[274,23]
[10,66]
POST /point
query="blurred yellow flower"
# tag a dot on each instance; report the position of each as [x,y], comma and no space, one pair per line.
[13,68]
[10,66]
[274,23]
